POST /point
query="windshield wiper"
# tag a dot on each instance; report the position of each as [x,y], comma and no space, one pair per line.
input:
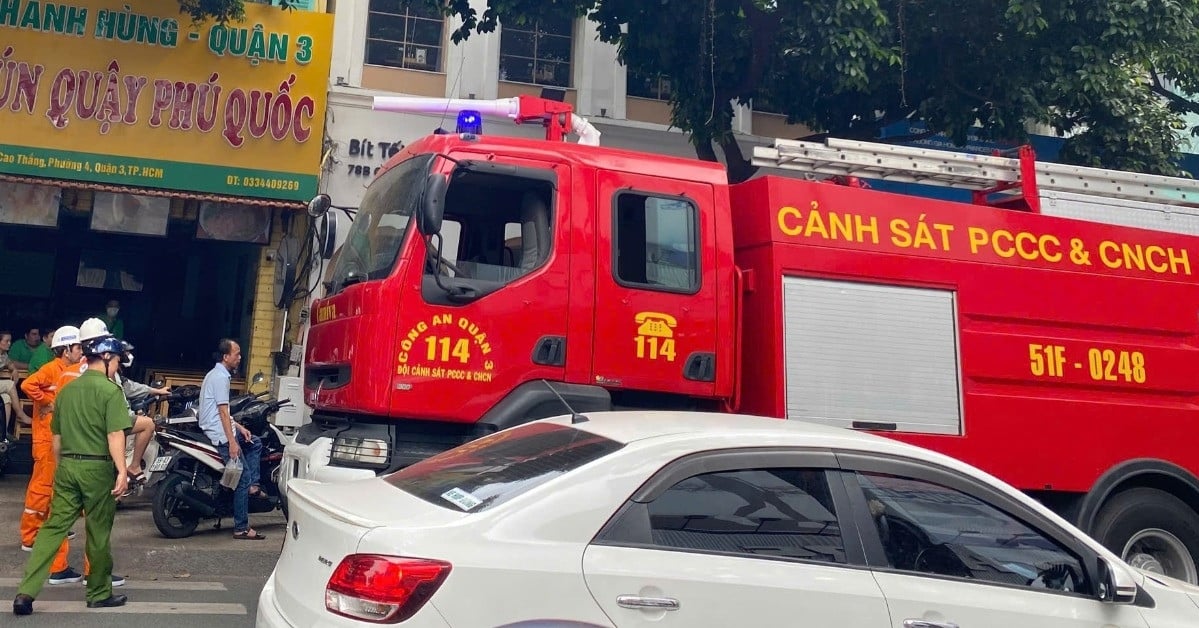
[352,278]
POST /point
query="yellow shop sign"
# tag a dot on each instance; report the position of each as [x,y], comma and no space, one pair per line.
[132,92]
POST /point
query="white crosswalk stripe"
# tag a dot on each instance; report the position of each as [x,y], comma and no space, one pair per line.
[156,608]
[174,585]
[51,599]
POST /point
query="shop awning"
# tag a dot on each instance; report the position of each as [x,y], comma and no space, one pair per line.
[127,189]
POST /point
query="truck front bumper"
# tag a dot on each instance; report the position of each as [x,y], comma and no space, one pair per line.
[311,462]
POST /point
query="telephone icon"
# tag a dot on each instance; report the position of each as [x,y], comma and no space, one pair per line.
[655,324]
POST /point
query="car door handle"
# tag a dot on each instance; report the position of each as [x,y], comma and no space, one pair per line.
[924,623]
[654,603]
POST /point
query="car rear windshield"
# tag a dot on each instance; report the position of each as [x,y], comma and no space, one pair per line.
[491,470]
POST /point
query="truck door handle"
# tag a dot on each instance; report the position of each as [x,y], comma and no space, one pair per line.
[700,367]
[924,623]
[550,351]
[652,603]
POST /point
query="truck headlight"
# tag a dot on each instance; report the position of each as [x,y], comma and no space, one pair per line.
[360,451]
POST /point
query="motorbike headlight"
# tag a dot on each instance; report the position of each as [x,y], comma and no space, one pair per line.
[360,451]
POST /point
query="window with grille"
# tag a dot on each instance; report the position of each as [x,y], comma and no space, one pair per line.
[764,104]
[538,53]
[404,34]
[648,85]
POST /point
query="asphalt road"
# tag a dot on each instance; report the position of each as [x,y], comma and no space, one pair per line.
[197,581]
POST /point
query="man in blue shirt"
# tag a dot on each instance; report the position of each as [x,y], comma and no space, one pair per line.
[230,438]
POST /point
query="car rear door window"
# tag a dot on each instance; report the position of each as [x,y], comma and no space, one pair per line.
[772,512]
[496,468]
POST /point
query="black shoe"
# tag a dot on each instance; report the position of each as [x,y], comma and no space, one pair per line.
[66,576]
[22,605]
[113,600]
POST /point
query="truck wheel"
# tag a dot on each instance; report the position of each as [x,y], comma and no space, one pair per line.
[1151,530]
[170,515]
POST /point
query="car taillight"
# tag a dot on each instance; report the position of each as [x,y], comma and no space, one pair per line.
[383,589]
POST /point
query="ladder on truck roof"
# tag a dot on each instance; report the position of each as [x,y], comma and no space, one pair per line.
[1015,179]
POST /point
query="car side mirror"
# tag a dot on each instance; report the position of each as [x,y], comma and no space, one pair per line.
[432,209]
[319,205]
[1116,584]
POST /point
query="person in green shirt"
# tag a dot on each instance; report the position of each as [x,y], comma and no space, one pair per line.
[116,325]
[89,424]
[31,353]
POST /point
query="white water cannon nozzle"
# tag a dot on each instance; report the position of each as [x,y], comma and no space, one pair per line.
[501,107]
[557,117]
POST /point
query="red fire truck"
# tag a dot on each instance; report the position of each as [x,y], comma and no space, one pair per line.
[1045,332]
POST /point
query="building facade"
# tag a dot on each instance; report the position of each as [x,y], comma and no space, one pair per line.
[382,47]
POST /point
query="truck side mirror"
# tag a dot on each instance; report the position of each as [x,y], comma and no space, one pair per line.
[326,236]
[428,217]
[319,205]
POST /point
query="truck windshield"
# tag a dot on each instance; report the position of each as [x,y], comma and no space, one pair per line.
[374,239]
[489,471]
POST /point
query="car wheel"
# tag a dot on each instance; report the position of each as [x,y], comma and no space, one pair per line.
[1151,530]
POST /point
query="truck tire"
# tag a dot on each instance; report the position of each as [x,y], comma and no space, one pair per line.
[1152,530]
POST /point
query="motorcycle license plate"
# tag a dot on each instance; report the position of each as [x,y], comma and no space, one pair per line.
[160,464]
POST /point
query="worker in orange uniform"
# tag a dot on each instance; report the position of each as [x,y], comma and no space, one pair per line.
[42,387]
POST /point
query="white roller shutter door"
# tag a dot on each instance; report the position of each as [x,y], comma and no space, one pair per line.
[860,352]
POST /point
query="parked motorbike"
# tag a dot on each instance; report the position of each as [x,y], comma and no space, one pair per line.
[4,445]
[182,400]
[190,490]
[182,415]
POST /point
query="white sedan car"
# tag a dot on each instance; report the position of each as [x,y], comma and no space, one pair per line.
[694,519]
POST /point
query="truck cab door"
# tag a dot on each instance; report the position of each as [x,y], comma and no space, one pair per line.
[491,291]
[655,311]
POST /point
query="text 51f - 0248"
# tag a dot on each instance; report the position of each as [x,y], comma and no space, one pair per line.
[1103,365]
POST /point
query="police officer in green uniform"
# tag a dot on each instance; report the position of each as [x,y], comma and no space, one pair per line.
[90,419]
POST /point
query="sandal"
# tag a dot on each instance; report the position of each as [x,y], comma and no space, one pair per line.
[256,491]
[248,535]
[137,478]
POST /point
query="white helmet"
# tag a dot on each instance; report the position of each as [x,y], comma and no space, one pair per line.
[92,329]
[65,336]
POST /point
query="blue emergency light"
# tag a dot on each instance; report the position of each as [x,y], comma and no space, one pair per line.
[470,121]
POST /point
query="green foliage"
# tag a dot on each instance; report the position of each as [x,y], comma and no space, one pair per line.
[1089,69]
[221,10]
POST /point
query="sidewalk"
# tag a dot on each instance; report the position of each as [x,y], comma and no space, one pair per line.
[140,551]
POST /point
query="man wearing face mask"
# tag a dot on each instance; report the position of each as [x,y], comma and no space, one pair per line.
[115,325]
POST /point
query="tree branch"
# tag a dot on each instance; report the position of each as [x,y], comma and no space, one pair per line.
[969,94]
[738,166]
[704,150]
[1181,103]
[764,29]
